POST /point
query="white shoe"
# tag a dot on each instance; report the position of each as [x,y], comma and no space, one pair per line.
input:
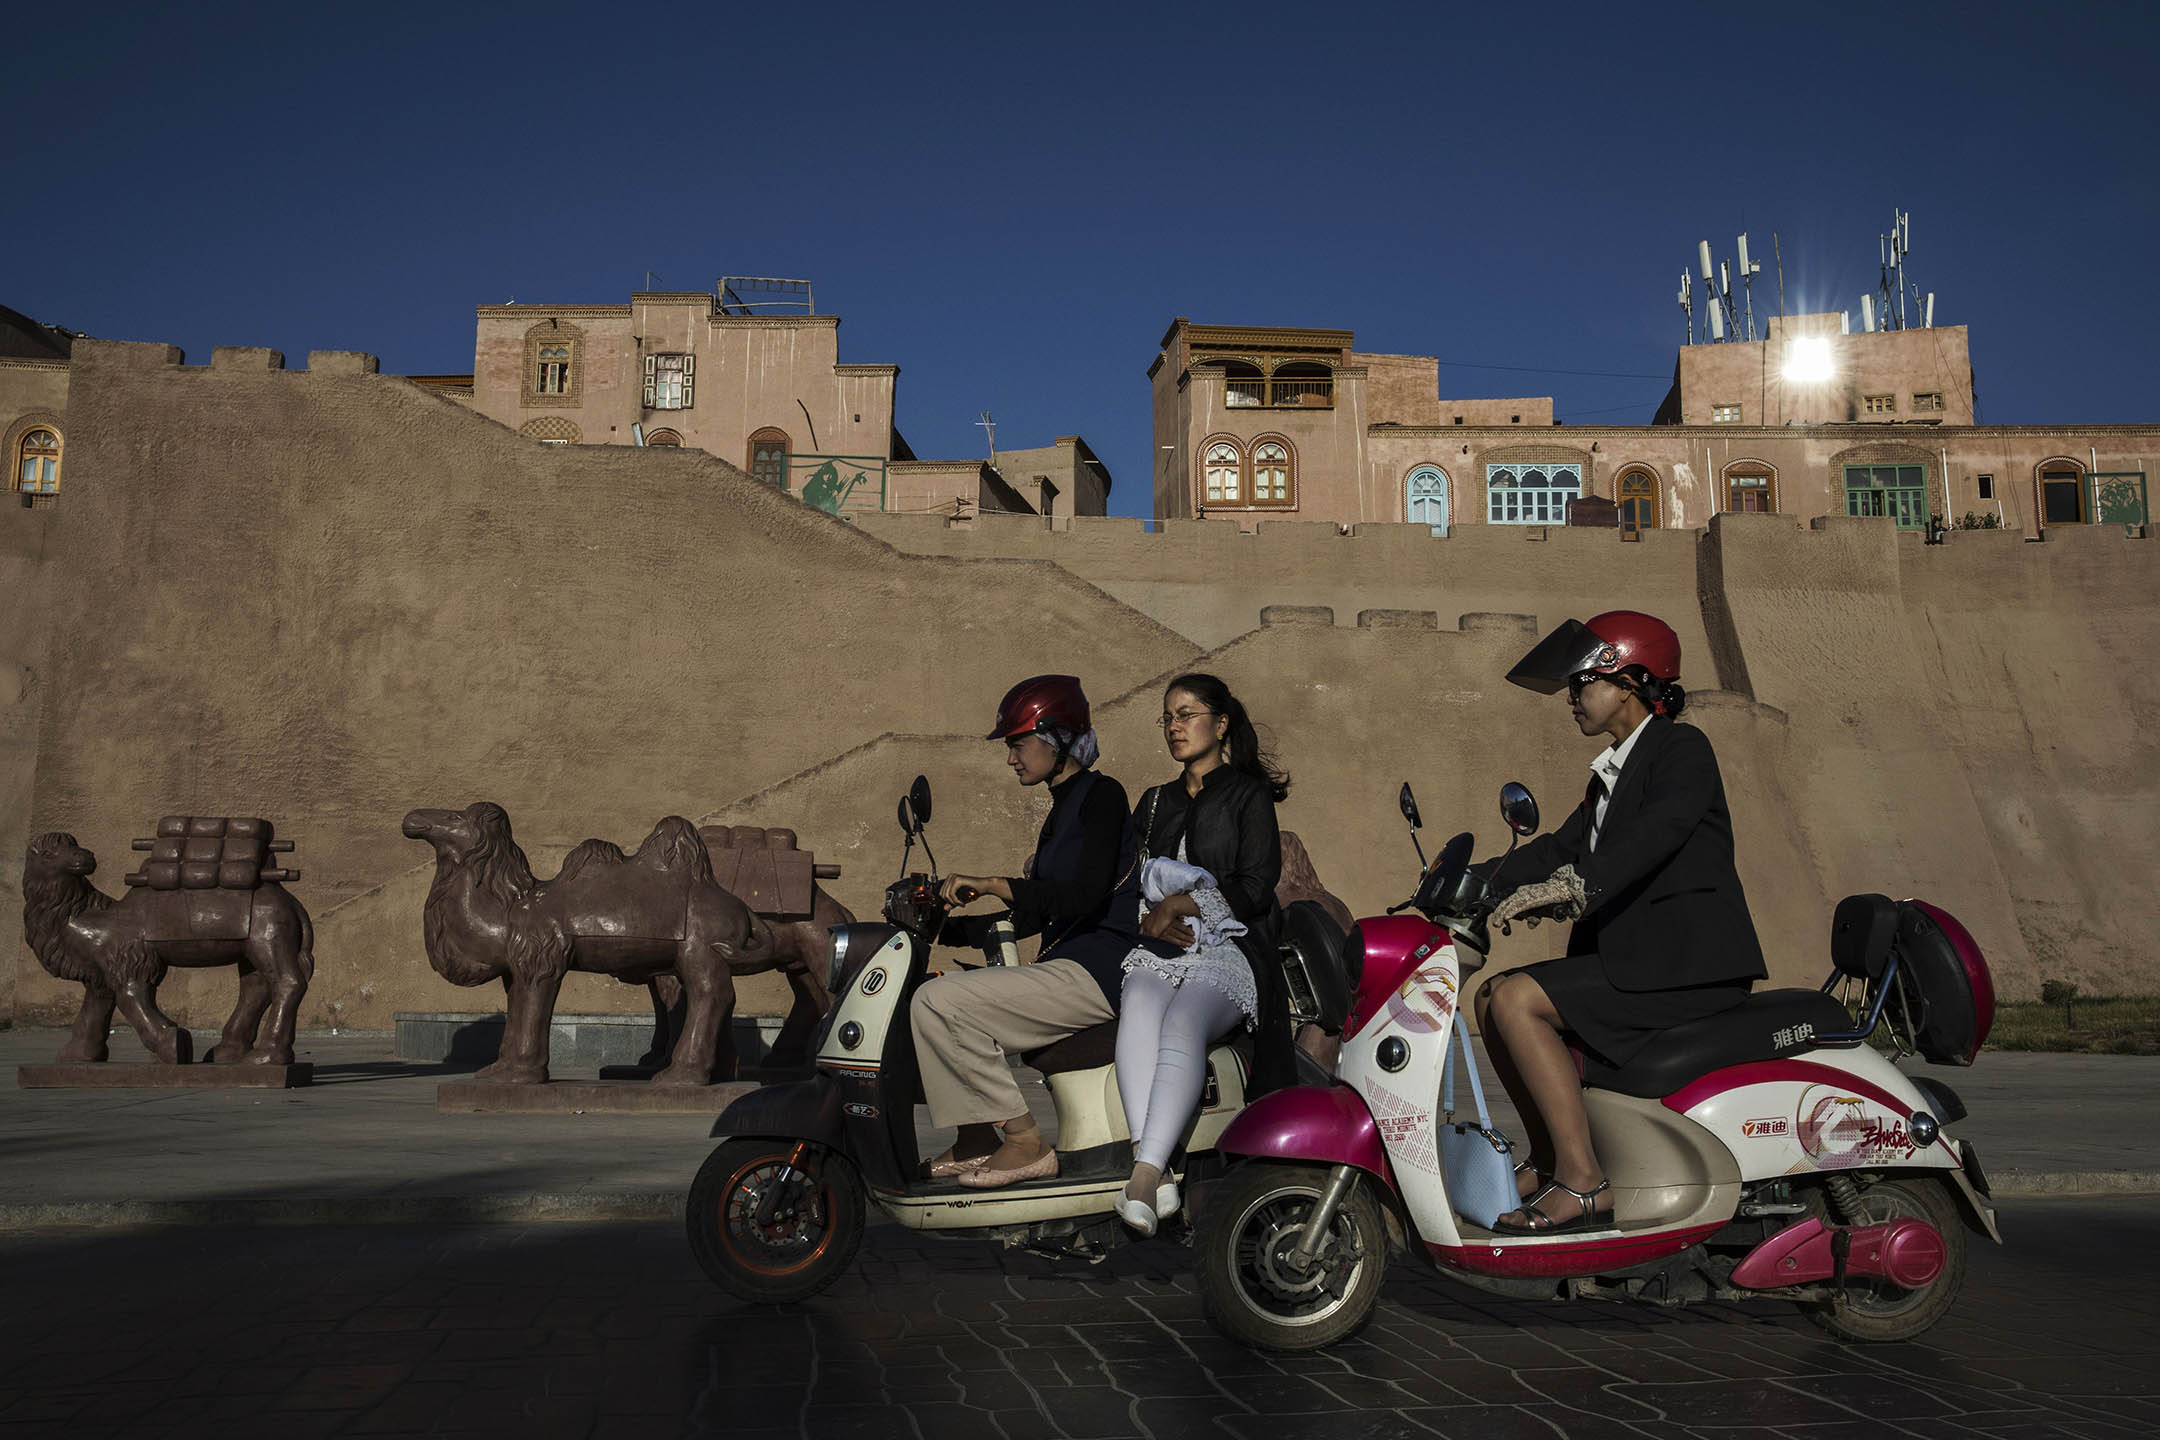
[1166,1200]
[1137,1213]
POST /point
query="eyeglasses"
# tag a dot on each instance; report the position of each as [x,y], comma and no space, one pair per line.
[1170,722]
[1576,684]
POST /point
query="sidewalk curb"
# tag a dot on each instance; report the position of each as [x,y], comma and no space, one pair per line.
[654,1206]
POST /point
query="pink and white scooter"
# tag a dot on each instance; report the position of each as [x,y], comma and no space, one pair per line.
[1768,1152]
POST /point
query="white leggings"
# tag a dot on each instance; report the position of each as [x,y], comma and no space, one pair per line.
[1162,1044]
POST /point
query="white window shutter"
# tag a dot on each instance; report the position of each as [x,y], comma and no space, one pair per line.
[689,374]
[651,369]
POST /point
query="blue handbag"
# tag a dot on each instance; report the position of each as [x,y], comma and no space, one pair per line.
[1477,1160]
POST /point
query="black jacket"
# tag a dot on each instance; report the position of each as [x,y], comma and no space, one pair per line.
[1082,890]
[1665,908]
[1229,831]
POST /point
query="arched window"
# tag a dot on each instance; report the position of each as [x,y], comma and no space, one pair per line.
[663,440]
[1425,498]
[1274,474]
[37,462]
[2062,492]
[1224,471]
[554,364]
[1750,488]
[768,457]
[1637,491]
[1530,494]
[1896,489]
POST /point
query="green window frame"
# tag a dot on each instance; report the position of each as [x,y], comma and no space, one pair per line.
[1898,491]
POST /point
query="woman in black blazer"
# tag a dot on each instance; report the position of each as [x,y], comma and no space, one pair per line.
[1645,868]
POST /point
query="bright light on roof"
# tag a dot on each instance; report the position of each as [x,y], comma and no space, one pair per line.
[1807,360]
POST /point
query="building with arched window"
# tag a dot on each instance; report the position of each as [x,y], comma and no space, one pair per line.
[1264,423]
[34,361]
[758,383]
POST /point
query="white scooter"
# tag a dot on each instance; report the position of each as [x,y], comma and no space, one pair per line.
[1765,1152]
[777,1211]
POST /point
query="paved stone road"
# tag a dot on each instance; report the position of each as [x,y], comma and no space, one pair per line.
[608,1330]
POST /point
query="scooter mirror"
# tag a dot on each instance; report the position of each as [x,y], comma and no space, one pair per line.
[907,822]
[1518,807]
[919,796]
[1408,802]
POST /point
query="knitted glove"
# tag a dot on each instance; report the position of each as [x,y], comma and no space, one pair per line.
[1560,897]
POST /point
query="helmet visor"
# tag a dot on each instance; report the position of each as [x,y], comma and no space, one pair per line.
[1568,651]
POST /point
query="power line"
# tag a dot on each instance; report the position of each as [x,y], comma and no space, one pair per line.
[1547,370]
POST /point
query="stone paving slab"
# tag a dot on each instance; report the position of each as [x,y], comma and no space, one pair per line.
[153,1075]
[365,1142]
[605,1331]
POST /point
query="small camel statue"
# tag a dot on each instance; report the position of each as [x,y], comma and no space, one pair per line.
[658,912]
[118,951]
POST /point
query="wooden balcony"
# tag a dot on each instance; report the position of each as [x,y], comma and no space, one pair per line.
[1301,392]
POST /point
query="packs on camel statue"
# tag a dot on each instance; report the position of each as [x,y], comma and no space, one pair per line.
[205,897]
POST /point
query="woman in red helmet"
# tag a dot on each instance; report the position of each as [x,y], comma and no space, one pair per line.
[1644,866]
[1081,893]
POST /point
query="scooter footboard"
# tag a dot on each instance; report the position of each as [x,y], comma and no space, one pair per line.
[801,1109]
[1321,1124]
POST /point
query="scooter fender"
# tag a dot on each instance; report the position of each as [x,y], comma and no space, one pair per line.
[1321,1124]
[797,1109]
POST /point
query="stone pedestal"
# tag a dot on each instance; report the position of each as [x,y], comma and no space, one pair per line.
[152,1076]
[587,1097]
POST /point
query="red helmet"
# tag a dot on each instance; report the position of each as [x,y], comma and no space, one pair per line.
[1042,702]
[1608,644]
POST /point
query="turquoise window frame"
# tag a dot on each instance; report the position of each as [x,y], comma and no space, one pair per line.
[1899,491]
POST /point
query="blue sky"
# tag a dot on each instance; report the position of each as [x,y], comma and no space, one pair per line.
[1011,203]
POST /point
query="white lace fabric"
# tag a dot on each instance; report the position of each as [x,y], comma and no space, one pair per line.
[1213,957]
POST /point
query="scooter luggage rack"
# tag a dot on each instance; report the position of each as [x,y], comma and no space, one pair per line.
[1882,986]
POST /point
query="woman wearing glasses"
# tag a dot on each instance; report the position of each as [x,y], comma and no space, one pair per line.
[1644,866]
[1206,965]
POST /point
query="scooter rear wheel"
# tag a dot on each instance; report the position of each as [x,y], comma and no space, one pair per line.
[805,1244]
[1875,1311]
[1245,1237]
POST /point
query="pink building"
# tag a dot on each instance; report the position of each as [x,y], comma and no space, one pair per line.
[766,391]
[1296,424]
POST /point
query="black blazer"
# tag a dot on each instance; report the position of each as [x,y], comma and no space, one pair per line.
[1665,908]
[1229,831]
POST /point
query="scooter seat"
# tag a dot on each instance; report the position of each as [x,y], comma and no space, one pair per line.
[1083,1050]
[1096,1046]
[1768,1025]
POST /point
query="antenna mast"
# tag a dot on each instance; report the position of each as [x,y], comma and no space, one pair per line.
[989,430]
[1748,270]
[1687,304]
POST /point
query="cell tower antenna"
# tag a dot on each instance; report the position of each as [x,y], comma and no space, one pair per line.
[1687,304]
[1748,270]
[1777,252]
[989,430]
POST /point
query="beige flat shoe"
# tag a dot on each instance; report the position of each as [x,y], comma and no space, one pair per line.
[984,1178]
[948,1165]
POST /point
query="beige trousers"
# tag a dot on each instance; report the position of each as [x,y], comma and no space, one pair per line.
[967,1023]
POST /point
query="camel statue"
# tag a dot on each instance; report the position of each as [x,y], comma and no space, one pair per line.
[636,917]
[118,951]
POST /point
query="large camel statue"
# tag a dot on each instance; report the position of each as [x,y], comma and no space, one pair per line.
[639,917]
[118,951]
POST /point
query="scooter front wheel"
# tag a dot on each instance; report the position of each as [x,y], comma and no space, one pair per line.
[1250,1279]
[775,1220]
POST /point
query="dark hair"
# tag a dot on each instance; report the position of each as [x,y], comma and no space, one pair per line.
[1243,739]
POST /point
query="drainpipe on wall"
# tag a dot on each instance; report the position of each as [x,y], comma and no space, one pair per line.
[1945,453]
